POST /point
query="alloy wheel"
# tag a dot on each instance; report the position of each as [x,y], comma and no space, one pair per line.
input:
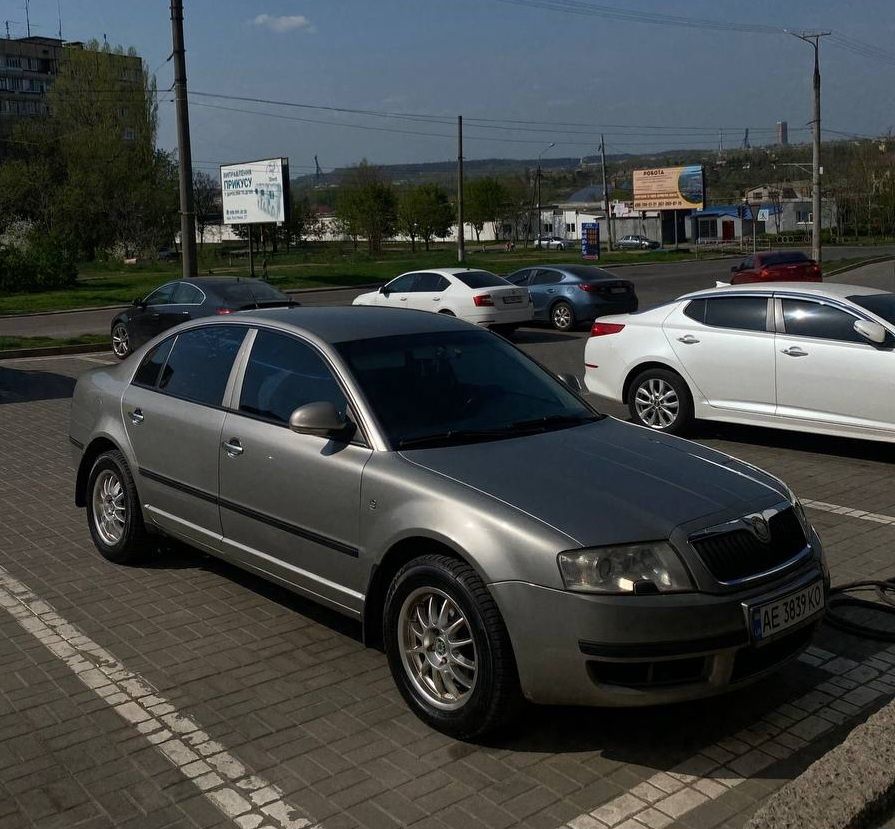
[437,648]
[121,341]
[657,403]
[109,507]
[562,317]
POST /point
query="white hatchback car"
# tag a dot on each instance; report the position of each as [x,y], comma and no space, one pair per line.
[802,356]
[479,297]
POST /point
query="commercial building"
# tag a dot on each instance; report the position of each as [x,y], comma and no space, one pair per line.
[782,133]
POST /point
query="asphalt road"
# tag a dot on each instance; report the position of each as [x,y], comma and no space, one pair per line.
[656,282]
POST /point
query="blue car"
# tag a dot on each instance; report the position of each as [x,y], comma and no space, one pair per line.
[567,296]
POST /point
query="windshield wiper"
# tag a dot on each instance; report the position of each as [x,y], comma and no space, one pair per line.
[520,427]
[557,421]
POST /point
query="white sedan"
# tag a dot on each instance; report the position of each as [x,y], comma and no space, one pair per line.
[818,358]
[479,297]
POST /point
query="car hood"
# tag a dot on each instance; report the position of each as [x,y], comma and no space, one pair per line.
[607,482]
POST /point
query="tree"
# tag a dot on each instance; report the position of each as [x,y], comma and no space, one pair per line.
[485,202]
[425,212]
[207,203]
[366,206]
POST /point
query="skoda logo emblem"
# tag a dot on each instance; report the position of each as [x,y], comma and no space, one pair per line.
[760,528]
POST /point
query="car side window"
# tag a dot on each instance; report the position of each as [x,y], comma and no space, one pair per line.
[284,373]
[162,296]
[695,309]
[403,284]
[803,318]
[200,362]
[746,313]
[186,294]
[148,373]
[545,277]
[430,283]
[747,264]
[519,278]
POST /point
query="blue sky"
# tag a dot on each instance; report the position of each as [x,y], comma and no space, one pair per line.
[488,59]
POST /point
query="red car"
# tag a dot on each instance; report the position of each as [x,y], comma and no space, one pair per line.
[776,266]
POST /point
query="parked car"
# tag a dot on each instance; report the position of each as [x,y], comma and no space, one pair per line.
[789,355]
[634,241]
[552,243]
[776,266]
[494,533]
[479,297]
[187,299]
[569,295]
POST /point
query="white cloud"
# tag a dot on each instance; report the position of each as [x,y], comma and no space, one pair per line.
[284,23]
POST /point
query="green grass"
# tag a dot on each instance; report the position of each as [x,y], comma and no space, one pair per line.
[9,343]
[107,283]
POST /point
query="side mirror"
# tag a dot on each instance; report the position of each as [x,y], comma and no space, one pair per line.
[571,381]
[384,290]
[321,418]
[872,331]
[138,303]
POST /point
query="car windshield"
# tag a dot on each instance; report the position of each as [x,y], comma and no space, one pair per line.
[480,279]
[241,293]
[447,387]
[883,305]
[784,257]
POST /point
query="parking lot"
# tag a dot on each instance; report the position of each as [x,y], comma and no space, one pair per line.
[189,693]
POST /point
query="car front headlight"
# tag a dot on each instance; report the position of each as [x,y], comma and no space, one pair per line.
[651,567]
[800,514]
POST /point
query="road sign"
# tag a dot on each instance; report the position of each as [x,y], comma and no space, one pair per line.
[590,240]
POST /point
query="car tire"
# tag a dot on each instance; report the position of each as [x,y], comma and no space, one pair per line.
[114,516]
[430,596]
[562,316]
[660,400]
[121,340]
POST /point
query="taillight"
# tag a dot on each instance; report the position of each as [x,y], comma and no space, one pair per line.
[601,329]
[764,273]
[590,287]
[483,299]
[222,311]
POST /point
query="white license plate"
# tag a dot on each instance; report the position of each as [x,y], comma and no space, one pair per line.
[774,617]
[510,300]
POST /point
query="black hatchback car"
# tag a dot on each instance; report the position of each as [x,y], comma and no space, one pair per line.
[187,299]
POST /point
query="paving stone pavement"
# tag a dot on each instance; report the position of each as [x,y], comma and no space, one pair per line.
[288,690]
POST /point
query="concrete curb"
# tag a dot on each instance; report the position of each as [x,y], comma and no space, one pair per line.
[848,788]
[53,351]
[861,264]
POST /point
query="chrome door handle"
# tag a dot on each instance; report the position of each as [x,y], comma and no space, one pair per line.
[436,299]
[403,298]
[794,351]
[136,416]
[233,447]
[689,339]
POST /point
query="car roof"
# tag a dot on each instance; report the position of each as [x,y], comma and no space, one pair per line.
[449,271]
[575,270]
[336,324]
[818,289]
[217,281]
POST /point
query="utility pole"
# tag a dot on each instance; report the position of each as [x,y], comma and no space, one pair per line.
[813,40]
[538,186]
[606,208]
[28,17]
[461,241]
[187,210]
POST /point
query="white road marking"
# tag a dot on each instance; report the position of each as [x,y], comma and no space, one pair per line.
[666,796]
[848,512]
[249,801]
[107,361]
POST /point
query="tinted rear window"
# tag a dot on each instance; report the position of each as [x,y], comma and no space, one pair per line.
[589,274]
[199,366]
[784,257]
[883,305]
[147,374]
[246,293]
[481,279]
[747,313]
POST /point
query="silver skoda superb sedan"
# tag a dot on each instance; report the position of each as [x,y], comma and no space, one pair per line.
[496,536]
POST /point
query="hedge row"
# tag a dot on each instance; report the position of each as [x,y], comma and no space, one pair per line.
[43,266]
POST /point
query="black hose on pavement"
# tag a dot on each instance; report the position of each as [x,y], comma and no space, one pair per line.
[839,598]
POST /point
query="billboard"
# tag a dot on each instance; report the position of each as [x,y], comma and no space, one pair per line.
[590,240]
[255,192]
[669,188]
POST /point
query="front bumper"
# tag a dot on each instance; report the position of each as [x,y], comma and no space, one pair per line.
[585,649]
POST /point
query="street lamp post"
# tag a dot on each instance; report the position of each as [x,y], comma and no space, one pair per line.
[548,147]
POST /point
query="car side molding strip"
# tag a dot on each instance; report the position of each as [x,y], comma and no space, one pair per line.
[285,526]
